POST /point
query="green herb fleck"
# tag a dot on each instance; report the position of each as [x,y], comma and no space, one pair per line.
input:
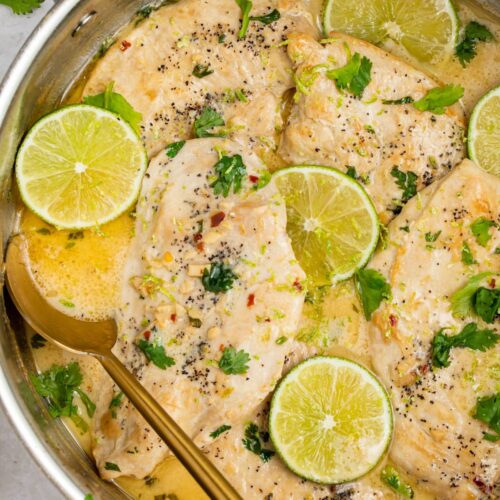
[432,237]
[480,229]
[407,181]
[234,362]
[231,171]
[252,442]
[404,100]
[173,149]
[467,257]
[206,121]
[437,99]
[155,353]
[219,278]
[246,7]
[488,411]
[406,229]
[44,230]
[354,76]
[112,466]
[462,300]
[220,430]
[281,340]
[486,303]
[466,49]
[273,16]
[391,477]
[88,496]
[115,403]
[373,289]
[66,303]
[195,322]
[202,70]
[264,179]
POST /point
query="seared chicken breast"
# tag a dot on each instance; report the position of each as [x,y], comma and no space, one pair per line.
[437,440]
[332,127]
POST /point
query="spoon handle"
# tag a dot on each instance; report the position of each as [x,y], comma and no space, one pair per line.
[206,474]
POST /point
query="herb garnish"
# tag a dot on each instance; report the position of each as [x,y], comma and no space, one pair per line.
[173,149]
[390,476]
[59,384]
[470,336]
[202,70]
[206,121]
[488,411]
[115,403]
[274,15]
[437,99]
[407,181]
[466,49]
[116,103]
[246,7]
[462,301]
[373,289]
[403,100]
[467,257]
[155,353]
[486,303]
[231,171]
[220,430]
[252,442]
[219,278]
[432,237]
[22,6]
[112,466]
[354,76]
[234,362]
[37,341]
[480,229]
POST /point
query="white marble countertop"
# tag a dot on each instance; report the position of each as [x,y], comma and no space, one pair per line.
[20,477]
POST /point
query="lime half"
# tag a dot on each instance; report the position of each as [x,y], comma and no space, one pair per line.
[80,166]
[484,132]
[427,29]
[331,221]
[331,420]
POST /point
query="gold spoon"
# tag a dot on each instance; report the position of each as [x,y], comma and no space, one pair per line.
[97,339]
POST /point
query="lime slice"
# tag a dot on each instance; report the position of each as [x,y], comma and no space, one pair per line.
[331,420]
[331,221]
[484,132]
[80,166]
[427,29]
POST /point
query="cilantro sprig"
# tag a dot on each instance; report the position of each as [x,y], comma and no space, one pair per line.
[466,49]
[234,362]
[22,6]
[390,476]
[207,120]
[220,430]
[480,228]
[173,149]
[218,278]
[354,76]
[116,103]
[59,385]
[373,289]
[231,171]
[155,353]
[470,337]
[252,442]
[202,70]
[407,181]
[437,99]
[488,411]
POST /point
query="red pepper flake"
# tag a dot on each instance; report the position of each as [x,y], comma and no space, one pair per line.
[147,334]
[251,300]
[423,369]
[217,218]
[124,45]
[493,283]
[253,178]
[198,237]
[221,348]
[200,246]
[393,320]
[173,317]
[298,285]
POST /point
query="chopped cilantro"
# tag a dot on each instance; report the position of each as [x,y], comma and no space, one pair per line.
[202,70]
[488,411]
[59,385]
[462,300]
[274,15]
[432,237]
[470,336]
[480,229]
[406,229]
[354,76]
[403,100]
[246,7]
[231,171]
[116,103]
[252,442]
[22,6]
[143,14]
[37,341]
[390,476]
[88,496]
[115,403]
[351,172]
[155,353]
[281,340]
[486,303]
[44,230]
[195,322]
[219,278]
[66,303]
[467,257]
[222,38]
[206,121]
[234,362]
[437,99]
[264,179]
[173,149]
[466,49]
[220,430]
[407,181]
[112,466]
[372,289]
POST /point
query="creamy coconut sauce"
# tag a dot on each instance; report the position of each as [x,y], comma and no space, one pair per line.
[80,273]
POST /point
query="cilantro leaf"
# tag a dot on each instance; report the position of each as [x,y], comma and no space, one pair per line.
[252,443]
[206,121]
[403,100]
[219,278]
[22,6]
[480,229]
[220,430]
[59,385]
[372,289]
[488,411]
[354,76]
[115,403]
[432,237]
[234,362]
[438,98]
[470,336]
[116,103]
[156,354]
[246,7]
[274,15]
[461,300]
[173,149]
[407,181]
[466,49]
[202,70]
[390,476]
[112,466]
[231,171]
[486,303]
[37,341]
[467,257]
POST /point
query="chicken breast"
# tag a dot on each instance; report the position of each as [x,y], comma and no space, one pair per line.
[334,128]
[183,227]
[153,66]
[436,438]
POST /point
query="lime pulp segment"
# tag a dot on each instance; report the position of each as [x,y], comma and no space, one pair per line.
[80,166]
[331,420]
